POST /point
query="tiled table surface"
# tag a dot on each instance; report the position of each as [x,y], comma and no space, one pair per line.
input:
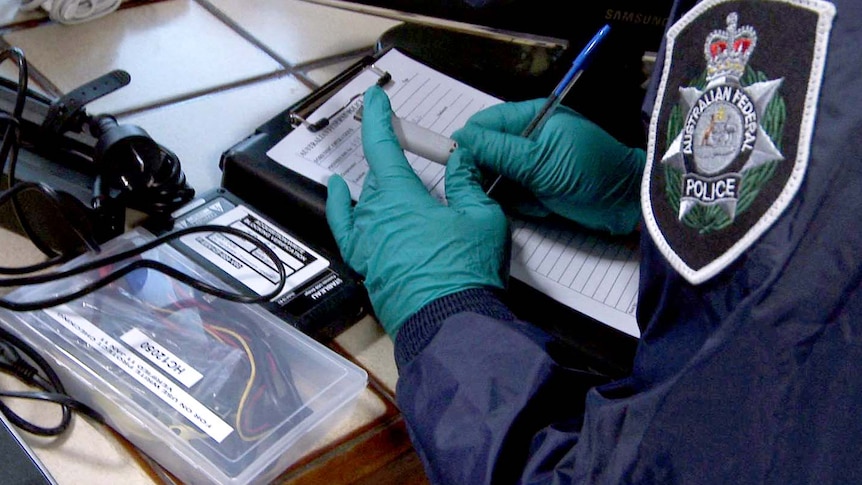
[204,74]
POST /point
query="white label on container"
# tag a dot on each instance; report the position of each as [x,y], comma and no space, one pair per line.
[145,374]
[162,357]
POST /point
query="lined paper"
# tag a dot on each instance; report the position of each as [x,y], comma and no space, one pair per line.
[595,276]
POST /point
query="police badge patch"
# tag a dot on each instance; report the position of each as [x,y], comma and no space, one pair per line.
[731,126]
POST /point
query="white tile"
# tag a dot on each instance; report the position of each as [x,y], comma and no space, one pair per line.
[201,129]
[300,31]
[171,49]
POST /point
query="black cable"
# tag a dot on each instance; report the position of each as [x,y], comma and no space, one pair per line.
[11,346]
[41,375]
[144,263]
[10,145]
[11,137]
[9,150]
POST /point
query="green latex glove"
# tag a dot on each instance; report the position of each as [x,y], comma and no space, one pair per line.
[410,247]
[574,168]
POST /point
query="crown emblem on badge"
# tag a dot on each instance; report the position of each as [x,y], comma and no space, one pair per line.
[717,161]
[727,51]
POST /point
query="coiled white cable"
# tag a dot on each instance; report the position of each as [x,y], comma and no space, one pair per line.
[72,11]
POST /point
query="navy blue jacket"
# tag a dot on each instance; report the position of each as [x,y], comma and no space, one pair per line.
[753,376]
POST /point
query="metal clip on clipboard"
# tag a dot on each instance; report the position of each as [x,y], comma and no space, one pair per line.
[412,137]
[298,116]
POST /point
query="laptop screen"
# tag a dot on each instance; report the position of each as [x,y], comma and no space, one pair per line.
[540,20]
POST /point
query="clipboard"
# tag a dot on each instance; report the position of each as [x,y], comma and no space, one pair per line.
[248,172]
[299,203]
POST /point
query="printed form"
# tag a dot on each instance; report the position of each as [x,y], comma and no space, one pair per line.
[593,276]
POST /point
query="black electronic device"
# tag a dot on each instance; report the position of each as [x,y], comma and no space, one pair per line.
[322,296]
[545,21]
[20,465]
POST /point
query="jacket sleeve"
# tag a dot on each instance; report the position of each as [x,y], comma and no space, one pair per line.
[486,397]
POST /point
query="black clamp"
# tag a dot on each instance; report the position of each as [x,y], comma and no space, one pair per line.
[66,113]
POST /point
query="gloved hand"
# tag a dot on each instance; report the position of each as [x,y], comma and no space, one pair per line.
[410,247]
[574,168]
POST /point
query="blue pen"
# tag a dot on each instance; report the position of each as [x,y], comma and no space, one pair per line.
[532,130]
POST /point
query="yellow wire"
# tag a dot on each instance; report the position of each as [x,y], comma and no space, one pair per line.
[247,390]
[252,373]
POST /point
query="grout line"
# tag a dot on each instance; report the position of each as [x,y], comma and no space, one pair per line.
[301,70]
[297,70]
[307,81]
[334,59]
[254,40]
[203,92]
[34,75]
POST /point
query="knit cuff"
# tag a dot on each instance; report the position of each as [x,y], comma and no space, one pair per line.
[420,328]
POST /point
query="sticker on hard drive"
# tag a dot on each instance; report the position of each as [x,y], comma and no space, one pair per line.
[305,298]
[195,215]
[246,262]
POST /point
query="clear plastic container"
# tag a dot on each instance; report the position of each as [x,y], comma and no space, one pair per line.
[214,391]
